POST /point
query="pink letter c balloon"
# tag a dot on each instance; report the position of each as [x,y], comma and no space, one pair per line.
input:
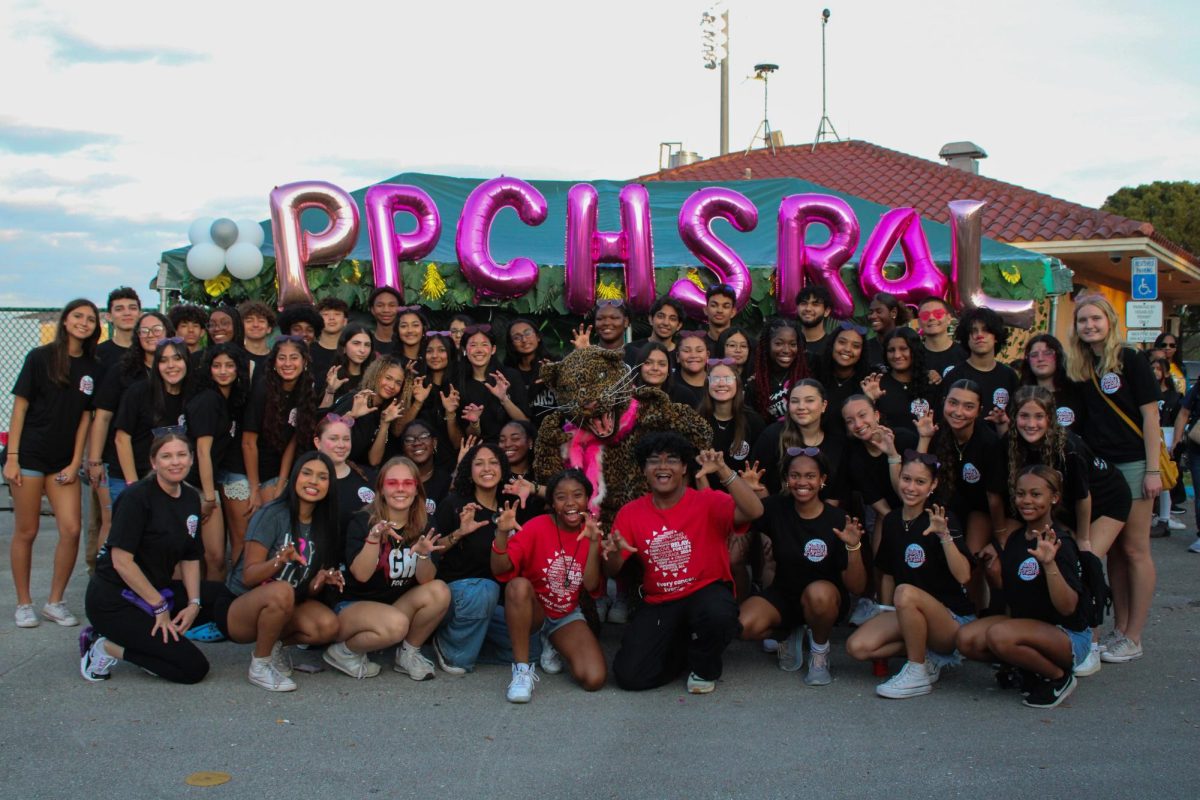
[490,279]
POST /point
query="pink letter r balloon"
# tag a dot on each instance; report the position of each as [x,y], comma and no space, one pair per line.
[819,264]
[388,248]
[695,229]
[471,241]
[921,277]
[587,247]
[296,248]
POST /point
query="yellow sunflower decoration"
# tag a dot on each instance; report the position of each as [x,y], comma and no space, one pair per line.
[1011,273]
[215,287]
[433,287]
[608,290]
[355,271]
[693,275]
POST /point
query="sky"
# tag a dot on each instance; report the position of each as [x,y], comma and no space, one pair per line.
[121,122]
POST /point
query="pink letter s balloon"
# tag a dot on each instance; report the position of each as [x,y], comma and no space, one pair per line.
[388,248]
[587,247]
[820,264]
[695,229]
[296,248]
[471,241]
[966,231]
[921,277]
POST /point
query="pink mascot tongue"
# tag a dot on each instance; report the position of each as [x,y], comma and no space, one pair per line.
[585,451]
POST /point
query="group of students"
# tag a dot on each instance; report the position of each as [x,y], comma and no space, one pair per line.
[367,487]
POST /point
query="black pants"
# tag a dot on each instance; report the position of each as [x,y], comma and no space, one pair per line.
[664,638]
[123,623]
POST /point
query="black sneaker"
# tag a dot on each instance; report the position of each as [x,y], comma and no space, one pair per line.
[1008,677]
[1047,693]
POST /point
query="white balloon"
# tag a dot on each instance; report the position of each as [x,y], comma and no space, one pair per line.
[205,260]
[198,232]
[250,231]
[244,261]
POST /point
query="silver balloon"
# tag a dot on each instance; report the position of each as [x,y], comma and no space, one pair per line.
[224,232]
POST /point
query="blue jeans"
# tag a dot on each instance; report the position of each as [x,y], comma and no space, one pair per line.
[465,626]
[1194,467]
[115,487]
[497,647]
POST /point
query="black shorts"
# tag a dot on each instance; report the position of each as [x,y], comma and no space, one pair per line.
[791,608]
[1113,503]
[219,610]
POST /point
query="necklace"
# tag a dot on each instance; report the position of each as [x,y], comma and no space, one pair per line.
[908,523]
[562,555]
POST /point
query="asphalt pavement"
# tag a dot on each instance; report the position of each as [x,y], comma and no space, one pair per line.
[1131,730]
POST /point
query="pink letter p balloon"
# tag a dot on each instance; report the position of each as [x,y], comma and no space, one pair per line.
[388,248]
[296,248]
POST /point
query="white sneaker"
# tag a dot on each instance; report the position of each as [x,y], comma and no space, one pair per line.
[263,674]
[791,651]
[934,671]
[59,613]
[770,646]
[818,669]
[95,663]
[1109,639]
[618,613]
[1195,546]
[27,618]
[1091,664]
[447,667]
[1122,651]
[911,681]
[520,689]
[356,665]
[698,685]
[864,609]
[281,660]
[1175,524]
[550,660]
[410,661]
[602,605]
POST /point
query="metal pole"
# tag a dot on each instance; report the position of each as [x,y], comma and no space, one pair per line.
[725,90]
[824,22]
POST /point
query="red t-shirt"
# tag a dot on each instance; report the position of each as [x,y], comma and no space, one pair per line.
[683,548]
[552,560]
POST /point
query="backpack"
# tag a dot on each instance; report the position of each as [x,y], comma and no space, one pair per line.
[1096,597]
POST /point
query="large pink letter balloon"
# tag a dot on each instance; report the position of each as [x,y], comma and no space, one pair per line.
[966,232]
[296,248]
[500,281]
[587,247]
[921,278]
[388,248]
[819,264]
[695,229]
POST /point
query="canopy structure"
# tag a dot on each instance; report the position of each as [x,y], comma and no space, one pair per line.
[1008,271]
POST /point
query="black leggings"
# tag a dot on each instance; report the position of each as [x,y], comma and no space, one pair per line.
[664,638]
[123,623]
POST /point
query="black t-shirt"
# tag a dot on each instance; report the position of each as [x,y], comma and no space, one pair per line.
[208,415]
[52,418]
[682,392]
[395,571]
[779,386]
[837,390]
[1109,435]
[899,405]
[541,398]
[871,475]
[1168,405]
[945,360]
[108,398]
[805,550]
[158,529]
[911,557]
[269,458]
[1025,582]
[472,556]
[814,350]
[1070,408]
[1084,473]
[353,492]
[737,453]
[271,526]
[494,417]
[997,385]
[766,453]
[138,418]
[978,466]
[320,360]
[635,354]
[385,348]
[433,412]
[108,355]
[437,488]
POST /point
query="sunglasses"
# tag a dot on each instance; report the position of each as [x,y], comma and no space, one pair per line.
[811,452]
[347,421]
[407,309]
[173,340]
[692,334]
[933,313]
[723,362]
[471,330]
[405,484]
[610,304]
[430,334]
[846,325]
[289,337]
[928,459]
[1171,345]
[179,430]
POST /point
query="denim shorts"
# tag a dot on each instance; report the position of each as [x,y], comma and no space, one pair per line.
[1081,644]
[1134,472]
[549,626]
[963,619]
[234,485]
[342,605]
[115,486]
[32,473]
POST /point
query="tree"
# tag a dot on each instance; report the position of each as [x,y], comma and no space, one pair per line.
[1173,208]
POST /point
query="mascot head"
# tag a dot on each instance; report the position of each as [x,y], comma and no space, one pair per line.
[593,387]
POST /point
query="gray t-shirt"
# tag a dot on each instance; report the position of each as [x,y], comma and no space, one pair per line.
[272,528]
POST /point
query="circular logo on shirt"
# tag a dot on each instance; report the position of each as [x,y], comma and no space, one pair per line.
[815,550]
[292,418]
[918,408]
[563,574]
[1000,398]
[1029,569]
[741,451]
[914,556]
[1110,383]
[946,371]
[430,506]
[87,385]
[970,473]
[365,494]
[1066,416]
[1099,463]
[193,525]
[670,551]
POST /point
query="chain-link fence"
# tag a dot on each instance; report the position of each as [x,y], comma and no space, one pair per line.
[21,330]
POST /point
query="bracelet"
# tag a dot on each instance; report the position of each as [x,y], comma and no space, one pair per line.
[369,540]
[422,556]
[499,552]
[856,547]
[212,499]
[162,608]
[894,459]
[195,601]
[732,477]
[1153,472]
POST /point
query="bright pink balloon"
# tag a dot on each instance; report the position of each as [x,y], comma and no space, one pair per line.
[499,281]
[821,264]
[388,248]
[632,246]
[966,233]
[921,278]
[296,248]
[695,229]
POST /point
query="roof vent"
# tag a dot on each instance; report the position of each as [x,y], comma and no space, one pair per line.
[963,155]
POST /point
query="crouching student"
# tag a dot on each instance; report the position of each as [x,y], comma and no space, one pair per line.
[680,536]
[1045,635]
[924,560]
[543,565]
[287,563]
[392,592]
[137,612]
